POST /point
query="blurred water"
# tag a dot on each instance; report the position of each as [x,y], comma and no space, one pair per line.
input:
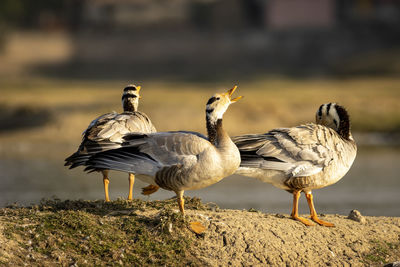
[371,186]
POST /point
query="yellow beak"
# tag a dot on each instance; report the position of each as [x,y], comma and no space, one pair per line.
[138,90]
[230,93]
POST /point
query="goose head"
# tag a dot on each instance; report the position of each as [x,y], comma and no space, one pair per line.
[219,103]
[336,117]
[130,97]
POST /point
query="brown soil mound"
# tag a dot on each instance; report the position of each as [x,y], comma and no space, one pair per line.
[153,233]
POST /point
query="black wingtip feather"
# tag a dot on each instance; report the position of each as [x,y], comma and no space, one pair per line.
[76,160]
[126,159]
[133,136]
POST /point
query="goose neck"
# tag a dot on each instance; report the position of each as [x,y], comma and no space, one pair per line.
[215,131]
[344,129]
[129,106]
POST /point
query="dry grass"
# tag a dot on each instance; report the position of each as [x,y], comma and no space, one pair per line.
[94,233]
[374,104]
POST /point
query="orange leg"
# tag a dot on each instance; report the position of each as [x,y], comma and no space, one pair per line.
[196,227]
[150,189]
[106,181]
[181,201]
[131,182]
[295,211]
[313,213]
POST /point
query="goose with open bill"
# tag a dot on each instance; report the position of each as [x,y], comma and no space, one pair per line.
[180,160]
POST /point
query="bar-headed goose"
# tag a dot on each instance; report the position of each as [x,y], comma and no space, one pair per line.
[111,127]
[302,158]
[181,160]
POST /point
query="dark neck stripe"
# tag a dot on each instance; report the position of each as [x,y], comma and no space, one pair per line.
[344,125]
[328,107]
[320,111]
[335,122]
[130,88]
[129,106]
[212,130]
[211,100]
[209,110]
[128,96]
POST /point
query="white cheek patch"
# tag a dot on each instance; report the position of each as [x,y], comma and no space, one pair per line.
[220,112]
[334,115]
[215,112]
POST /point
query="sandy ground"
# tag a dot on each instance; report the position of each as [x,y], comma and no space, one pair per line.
[254,238]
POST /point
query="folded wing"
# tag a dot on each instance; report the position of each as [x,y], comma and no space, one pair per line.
[149,153]
[299,151]
[106,132]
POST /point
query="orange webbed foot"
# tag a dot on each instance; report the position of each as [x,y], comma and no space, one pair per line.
[321,222]
[197,227]
[302,220]
[150,189]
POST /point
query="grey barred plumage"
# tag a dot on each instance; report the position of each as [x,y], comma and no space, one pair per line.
[302,158]
[179,160]
[106,132]
[170,178]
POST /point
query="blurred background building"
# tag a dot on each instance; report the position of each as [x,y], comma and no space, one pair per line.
[201,39]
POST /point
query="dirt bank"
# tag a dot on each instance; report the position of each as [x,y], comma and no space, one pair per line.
[153,233]
[254,238]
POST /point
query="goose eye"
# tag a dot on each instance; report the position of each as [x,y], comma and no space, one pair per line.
[218,98]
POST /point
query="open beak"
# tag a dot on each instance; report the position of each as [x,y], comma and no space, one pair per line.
[230,93]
